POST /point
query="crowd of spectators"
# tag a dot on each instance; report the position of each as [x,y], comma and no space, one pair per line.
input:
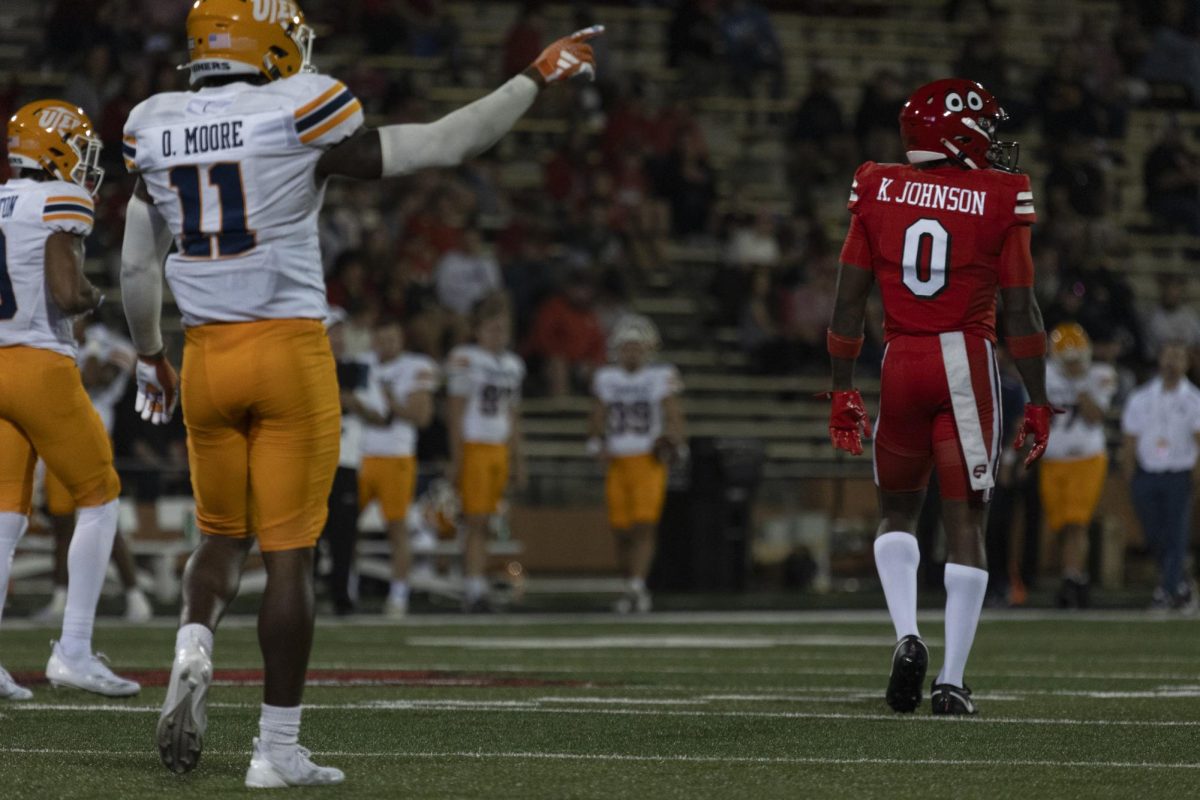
[631,176]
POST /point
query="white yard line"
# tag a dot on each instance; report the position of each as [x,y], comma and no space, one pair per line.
[533,707]
[655,759]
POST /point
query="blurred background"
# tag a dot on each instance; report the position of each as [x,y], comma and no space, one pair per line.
[700,181]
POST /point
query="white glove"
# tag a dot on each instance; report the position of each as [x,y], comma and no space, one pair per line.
[157,389]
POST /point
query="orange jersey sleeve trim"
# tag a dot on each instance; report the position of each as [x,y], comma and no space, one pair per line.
[345,114]
[856,252]
[1016,259]
[326,96]
[70,198]
[67,218]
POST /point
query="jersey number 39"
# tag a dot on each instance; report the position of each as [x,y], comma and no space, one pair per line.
[926,259]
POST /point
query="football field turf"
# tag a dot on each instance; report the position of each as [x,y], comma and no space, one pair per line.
[739,705]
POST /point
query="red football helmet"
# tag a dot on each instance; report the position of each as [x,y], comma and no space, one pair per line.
[956,119]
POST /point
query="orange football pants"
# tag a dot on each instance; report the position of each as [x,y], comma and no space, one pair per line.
[635,488]
[263,415]
[45,410]
[389,479]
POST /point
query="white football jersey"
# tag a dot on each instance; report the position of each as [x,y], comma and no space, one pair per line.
[492,385]
[109,348]
[30,211]
[402,376]
[231,169]
[1071,436]
[633,405]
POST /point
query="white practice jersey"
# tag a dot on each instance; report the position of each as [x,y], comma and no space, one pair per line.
[108,348]
[402,376]
[1071,436]
[231,169]
[30,211]
[492,385]
[633,405]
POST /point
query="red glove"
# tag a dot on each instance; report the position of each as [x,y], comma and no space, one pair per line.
[566,58]
[1036,424]
[848,421]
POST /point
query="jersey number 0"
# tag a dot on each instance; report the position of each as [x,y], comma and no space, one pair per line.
[233,238]
[926,241]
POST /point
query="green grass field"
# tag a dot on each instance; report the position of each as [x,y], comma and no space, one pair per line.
[673,706]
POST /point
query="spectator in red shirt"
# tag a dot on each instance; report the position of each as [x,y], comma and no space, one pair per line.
[568,336]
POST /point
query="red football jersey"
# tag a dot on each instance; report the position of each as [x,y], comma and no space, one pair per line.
[940,242]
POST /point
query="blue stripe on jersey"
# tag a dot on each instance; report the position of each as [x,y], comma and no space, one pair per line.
[55,208]
[128,150]
[325,111]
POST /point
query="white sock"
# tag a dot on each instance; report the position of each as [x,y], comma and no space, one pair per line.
[399,592]
[12,527]
[965,587]
[637,585]
[279,726]
[474,587]
[897,558]
[194,632]
[87,564]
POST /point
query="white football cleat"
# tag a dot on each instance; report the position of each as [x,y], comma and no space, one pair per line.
[280,767]
[90,673]
[184,717]
[137,608]
[10,689]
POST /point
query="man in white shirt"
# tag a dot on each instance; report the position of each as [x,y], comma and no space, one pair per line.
[1161,424]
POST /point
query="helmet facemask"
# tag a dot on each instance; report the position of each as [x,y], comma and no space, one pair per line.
[302,36]
[87,172]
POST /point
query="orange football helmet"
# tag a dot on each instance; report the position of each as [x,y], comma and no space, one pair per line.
[1070,342]
[56,136]
[248,37]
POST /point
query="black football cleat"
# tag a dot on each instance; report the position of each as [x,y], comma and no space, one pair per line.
[949,699]
[910,659]
[1073,593]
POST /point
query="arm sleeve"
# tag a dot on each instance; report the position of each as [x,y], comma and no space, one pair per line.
[330,115]
[674,383]
[69,208]
[856,252]
[1016,259]
[147,240]
[459,136]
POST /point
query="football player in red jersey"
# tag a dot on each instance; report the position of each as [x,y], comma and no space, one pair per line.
[940,235]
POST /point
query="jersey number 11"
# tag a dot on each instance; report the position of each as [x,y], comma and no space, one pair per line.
[234,238]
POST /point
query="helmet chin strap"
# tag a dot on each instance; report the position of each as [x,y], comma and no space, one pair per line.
[960,155]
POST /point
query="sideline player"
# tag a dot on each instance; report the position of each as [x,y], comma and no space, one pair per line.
[483,381]
[637,429]
[46,212]
[406,383]
[940,234]
[1076,461]
[235,172]
[105,363]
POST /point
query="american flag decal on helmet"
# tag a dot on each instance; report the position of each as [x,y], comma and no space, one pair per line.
[220,41]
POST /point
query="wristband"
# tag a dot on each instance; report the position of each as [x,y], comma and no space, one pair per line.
[842,346]
[1031,346]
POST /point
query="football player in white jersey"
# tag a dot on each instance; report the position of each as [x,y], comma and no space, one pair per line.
[234,171]
[483,381]
[106,362]
[46,211]
[1076,462]
[406,383]
[637,428]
